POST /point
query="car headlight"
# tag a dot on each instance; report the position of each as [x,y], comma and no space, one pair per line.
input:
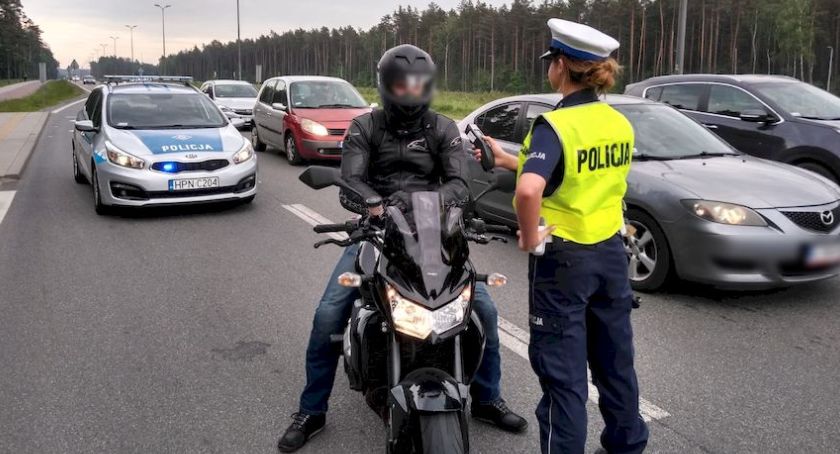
[314,128]
[725,213]
[417,321]
[121,158]
[244,153]
[225,109]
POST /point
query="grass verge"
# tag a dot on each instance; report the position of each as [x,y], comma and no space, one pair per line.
[4,82]
[48,95]
[453,104]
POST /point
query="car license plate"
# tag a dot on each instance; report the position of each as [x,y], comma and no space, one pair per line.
[191,184]
[822,255]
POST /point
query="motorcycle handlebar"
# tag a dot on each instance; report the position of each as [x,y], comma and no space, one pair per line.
[328,228]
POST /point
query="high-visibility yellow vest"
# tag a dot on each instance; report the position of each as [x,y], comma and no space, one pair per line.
[597,151]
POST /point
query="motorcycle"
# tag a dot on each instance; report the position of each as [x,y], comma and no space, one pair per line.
[413,343]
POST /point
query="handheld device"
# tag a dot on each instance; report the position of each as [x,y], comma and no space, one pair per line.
[476,138]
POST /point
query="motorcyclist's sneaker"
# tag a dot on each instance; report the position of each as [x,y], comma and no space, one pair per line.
[302,429]
[499,414]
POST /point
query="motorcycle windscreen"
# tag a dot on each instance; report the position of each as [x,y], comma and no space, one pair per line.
[421,261]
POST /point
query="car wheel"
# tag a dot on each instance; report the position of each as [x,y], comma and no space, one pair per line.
[649,255]
[292,154]
[255,140]
[819,169]
[98,206]
[77,175]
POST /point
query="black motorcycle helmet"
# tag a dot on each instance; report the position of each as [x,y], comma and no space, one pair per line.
[405,77]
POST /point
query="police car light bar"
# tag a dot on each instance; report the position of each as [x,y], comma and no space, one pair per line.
[147,79]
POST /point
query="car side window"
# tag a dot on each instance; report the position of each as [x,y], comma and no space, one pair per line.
[653,93]
[91,103]
[280,93]
[96,116]
[683,96]
[534,111]
[267,93]
[731,101]
[500,122]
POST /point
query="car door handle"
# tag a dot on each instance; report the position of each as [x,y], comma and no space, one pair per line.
[710,126]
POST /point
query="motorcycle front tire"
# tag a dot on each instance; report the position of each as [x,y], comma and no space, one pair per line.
[441,434]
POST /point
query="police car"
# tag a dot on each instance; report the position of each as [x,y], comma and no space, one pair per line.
[151,140]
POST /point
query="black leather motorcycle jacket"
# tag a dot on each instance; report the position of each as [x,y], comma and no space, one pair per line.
[378,159]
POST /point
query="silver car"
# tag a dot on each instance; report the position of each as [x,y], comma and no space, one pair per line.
[236,98]
[702,211]
[144,141]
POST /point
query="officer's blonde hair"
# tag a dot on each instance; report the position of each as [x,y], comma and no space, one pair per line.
[598,75]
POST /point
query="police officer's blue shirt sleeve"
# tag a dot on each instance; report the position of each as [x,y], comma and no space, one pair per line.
[546,152]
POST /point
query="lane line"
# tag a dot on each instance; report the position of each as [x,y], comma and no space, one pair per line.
[6,198]
[511,336]
[68,105]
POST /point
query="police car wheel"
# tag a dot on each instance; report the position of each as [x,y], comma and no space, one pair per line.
[77,175]
[650,268]
[98,206]
[292,154]
[255,140]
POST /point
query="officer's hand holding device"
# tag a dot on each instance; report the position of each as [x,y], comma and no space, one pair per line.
[485,153]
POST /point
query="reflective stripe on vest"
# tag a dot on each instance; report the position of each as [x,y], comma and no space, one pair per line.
[597,150]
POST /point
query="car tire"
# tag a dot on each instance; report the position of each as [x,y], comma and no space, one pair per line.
[98,206]
[255,140]
[77,174]
[652,270]
[292,154]
[819,169]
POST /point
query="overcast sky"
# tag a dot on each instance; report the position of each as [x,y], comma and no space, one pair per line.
[75,29]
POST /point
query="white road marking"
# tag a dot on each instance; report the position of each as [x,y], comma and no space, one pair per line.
[5,202]
[68,105]
[511,336]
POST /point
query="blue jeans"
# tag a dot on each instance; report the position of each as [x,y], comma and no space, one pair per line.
[331,317]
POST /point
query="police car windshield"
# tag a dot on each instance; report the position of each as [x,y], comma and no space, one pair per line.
[163,111]
[664,133]
[802,100]
[235,91]
[325,94]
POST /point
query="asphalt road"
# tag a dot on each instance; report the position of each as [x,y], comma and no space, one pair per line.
[185,330]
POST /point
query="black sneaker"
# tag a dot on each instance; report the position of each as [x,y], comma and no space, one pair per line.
[500,415]
[302,429]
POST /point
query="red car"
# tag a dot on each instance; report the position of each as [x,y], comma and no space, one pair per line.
[305,116]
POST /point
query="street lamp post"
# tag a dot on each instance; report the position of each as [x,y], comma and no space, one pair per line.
[681,38]
[131,31]
[104,47]
[115,38]
[830,67]
[163,28]
[238,43]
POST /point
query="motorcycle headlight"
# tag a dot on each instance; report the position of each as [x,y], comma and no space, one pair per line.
[123,159]
[725,213]
[313,127]
[244,154]
[416,321]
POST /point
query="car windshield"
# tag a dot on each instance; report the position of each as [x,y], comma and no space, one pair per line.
[802,100]
[662,132]
[332,94]
[235,91]
[163,111]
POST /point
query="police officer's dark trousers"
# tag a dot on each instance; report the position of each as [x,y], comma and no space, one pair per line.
[580,302]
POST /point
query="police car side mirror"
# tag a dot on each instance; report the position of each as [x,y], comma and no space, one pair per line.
[278,106]
[374,105]
[84,126]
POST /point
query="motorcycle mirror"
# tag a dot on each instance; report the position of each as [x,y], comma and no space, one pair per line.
[320,177]
[506,181]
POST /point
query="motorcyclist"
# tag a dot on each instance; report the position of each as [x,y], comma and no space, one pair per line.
[390,153]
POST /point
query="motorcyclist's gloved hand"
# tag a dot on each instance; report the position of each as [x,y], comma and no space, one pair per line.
[401,200]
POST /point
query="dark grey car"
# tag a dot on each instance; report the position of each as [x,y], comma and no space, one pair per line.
[703,211]
[771,117]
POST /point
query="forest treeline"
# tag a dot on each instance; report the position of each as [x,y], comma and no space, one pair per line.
[481,47]
[21,46]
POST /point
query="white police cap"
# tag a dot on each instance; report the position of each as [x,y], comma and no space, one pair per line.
[578,41]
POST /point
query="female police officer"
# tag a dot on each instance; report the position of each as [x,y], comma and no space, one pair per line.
[572,172]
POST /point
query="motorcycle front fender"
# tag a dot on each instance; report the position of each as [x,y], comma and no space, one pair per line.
[429,390]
